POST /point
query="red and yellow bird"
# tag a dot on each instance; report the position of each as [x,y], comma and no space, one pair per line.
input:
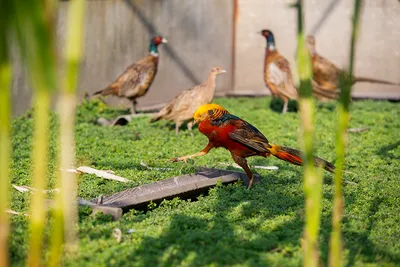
[242,139]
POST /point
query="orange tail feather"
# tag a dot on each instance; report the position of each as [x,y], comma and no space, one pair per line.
[295,156]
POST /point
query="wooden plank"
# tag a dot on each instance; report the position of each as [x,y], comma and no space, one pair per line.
[115,212]
[102,174]
[183,186]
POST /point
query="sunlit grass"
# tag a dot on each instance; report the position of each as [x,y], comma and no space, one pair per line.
[265,224]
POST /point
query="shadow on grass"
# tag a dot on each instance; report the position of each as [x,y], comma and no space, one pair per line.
[359,243]
[234,234]
[276,105]
[385,151]
[216,241]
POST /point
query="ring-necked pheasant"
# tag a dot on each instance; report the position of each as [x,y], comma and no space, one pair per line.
[135,81]
[242,139]
[326,75]
[277,74]
[183,106]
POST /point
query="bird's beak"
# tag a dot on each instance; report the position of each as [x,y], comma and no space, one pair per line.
[196,121]
[223,71]
[164,41]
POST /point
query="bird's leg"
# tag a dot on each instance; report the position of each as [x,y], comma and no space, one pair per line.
[133,107]
[242,162]
[189,126]
[198,154]
[285,105]
[178,124]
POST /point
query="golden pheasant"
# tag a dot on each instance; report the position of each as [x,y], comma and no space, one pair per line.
[277,74]
[326,75]
[183,106]
[242,139]
[135,81]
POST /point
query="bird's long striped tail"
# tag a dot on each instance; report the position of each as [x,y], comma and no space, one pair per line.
[371,80]
[104,92]
[295,156]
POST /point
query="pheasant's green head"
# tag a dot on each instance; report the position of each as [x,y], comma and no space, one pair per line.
[269,36]
[154,44]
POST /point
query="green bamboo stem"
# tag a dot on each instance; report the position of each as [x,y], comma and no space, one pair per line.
[39,158]
[336,250]
[34,24]
[312,177]
[5,149]
[66,210]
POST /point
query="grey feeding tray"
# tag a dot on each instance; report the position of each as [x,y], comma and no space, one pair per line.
[185,186]
[122,119]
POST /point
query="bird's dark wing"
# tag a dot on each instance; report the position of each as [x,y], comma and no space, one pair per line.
[248,135]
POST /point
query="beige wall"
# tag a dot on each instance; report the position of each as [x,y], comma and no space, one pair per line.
[378,49]
[200,36]
[118,32]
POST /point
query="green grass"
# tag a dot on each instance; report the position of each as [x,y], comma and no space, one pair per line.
[230,225]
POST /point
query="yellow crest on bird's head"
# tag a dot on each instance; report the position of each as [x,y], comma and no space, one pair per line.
[209,111]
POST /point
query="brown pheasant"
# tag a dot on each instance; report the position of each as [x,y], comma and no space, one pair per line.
[135,81]
[184,105]
[277,74]
[326,75]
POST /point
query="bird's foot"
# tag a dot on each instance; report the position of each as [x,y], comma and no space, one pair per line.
[179,159]
[250,184]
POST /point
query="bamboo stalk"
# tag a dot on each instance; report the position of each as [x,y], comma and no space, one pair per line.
[34,23]
[5,144]
[312,177]
[39,157]
[66,210]
[336,250]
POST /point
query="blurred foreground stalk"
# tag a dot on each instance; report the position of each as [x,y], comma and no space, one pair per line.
[65,213]
[312,176]
[34,22]
[336,250]
[5,141]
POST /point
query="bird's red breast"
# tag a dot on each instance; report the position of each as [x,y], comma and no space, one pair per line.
[219,136]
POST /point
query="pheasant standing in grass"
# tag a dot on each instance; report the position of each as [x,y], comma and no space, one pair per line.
[183,106]
[242,139]
[135,81]
[326,75]
[277,74]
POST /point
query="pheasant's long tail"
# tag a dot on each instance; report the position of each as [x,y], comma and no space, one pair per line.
[155,118]
[371,80]
[295,156]
[104,92]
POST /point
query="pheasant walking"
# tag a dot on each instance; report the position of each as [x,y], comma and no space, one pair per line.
[183,106]
[242,139]
[277,74]
[135,81]
[326,75]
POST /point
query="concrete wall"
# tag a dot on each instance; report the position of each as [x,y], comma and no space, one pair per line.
[378,48]
[118,32]
[200,35]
